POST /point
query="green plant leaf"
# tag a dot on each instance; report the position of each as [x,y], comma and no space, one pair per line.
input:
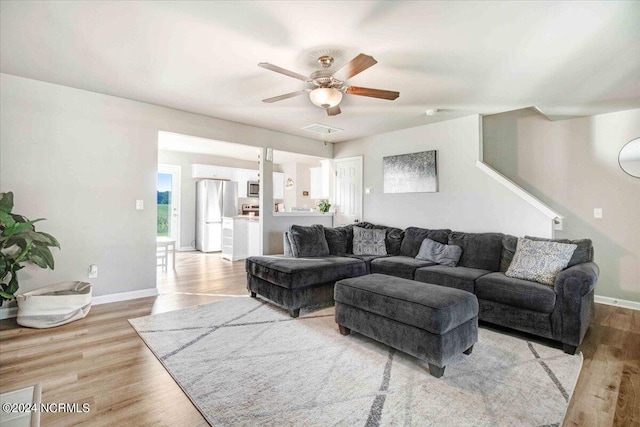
[44,253]
[6,220]
[6,202]
[37,259]
[13,285]
[6,296]
[52,240]
[19,218]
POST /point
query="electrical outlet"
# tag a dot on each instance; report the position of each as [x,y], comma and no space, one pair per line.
[597,213]
[93,271]
[139,205]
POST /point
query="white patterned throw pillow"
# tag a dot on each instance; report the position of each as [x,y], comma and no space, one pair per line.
[368,241]
[540,261]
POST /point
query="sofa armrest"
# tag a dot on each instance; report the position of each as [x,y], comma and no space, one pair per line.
[575,302]
[578,280]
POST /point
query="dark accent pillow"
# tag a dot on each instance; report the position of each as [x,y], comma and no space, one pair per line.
[339,239]
[414,236]
[393,236]
[479,250]
[509,245]
[583,252]
[447,255]
[308,241]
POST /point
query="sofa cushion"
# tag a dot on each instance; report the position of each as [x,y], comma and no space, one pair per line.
[583,252]
[294,273]
[451,277]
[432,251]
[308,241]
[339,239]
[432,308]
[413,237]
[369,242]
[398,266]
[479,250]
[367,259]
[516,292]
[393,238]
[540,261]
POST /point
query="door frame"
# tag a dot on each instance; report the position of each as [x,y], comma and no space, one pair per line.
[176,197]
[360,159]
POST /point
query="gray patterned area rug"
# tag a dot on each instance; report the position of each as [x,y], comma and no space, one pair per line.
[244,362]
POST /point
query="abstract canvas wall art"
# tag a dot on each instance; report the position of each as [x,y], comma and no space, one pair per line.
[411,173]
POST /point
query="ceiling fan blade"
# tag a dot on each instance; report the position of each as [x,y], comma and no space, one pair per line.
[373,93]
[355,66]
[333,111]
[283,71]
[285,96]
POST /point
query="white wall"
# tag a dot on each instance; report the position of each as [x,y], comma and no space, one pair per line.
[81,159]
[572,166]
[468,200]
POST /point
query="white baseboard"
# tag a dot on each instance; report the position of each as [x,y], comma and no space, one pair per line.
[9,312]
[124,296]
[633,305]
[186,249]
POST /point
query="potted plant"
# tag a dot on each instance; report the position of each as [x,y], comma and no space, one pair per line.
[20,243]
[324,206]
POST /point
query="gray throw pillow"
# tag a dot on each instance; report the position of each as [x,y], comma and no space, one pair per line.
[540,261]
[308,241]
[447,255]
[369,241]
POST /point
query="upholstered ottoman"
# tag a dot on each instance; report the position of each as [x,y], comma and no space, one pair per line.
[430,322]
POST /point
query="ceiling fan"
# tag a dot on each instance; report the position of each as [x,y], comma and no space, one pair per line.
[329,85]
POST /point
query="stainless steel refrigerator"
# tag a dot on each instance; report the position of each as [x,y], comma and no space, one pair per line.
[214,199]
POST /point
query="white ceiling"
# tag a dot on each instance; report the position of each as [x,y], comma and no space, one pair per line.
[567,58]
[191,144]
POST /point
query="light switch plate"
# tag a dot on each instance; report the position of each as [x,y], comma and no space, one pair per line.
[597,213]
[139,205]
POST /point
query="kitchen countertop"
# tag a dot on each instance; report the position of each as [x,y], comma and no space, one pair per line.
[303,213]
[247,217]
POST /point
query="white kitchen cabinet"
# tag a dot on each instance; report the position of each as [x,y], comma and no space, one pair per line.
[278,185]
[211,172]
[253,238]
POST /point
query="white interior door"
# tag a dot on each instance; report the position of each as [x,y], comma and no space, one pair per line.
[169,202]
[348,190]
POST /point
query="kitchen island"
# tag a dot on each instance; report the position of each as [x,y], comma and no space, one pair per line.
[240,237]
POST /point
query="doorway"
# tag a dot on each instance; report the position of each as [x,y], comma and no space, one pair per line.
[348,190]
[168,195]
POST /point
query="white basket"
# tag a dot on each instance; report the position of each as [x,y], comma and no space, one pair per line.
[54,305]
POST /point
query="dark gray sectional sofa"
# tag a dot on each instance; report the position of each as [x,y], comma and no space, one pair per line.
[562,312]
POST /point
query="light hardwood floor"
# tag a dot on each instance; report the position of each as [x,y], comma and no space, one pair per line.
[100,360]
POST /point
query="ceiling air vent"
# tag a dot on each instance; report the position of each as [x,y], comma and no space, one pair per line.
[322,129]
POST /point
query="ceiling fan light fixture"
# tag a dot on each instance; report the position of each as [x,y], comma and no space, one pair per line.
[325,97]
